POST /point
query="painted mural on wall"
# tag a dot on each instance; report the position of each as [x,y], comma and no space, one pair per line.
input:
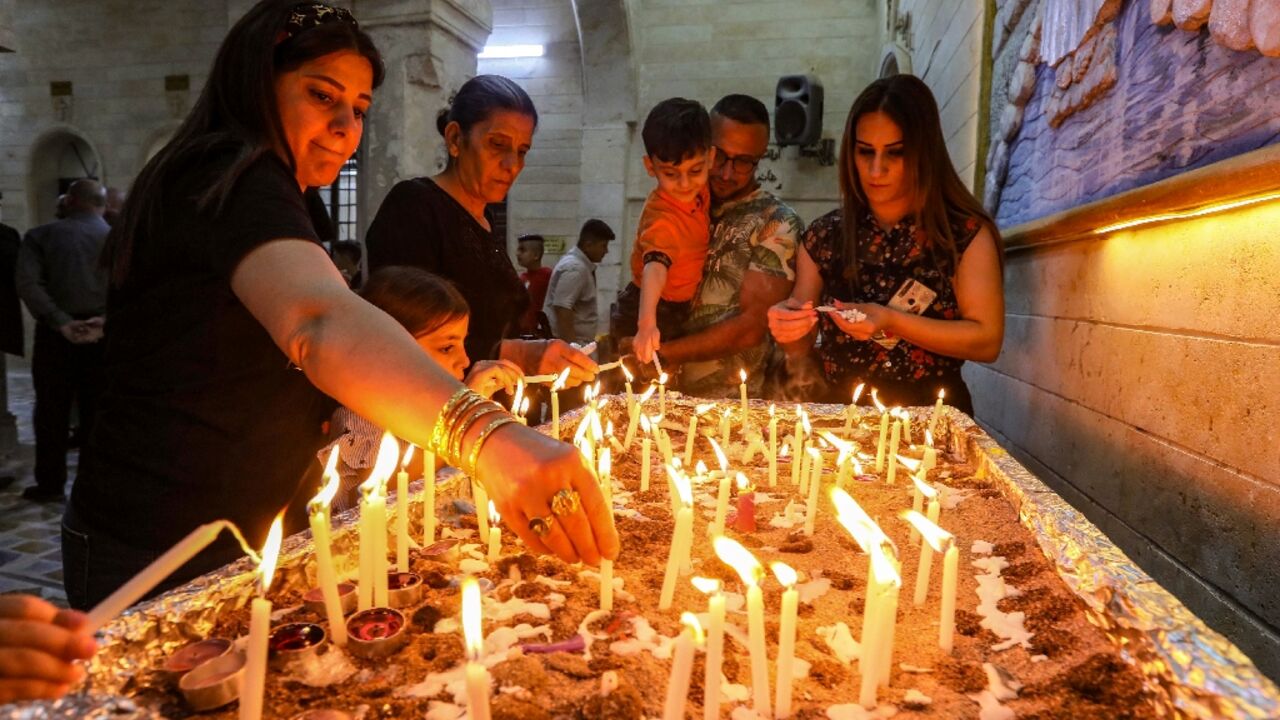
[1094,97]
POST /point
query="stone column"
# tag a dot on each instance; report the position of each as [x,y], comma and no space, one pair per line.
[429,47]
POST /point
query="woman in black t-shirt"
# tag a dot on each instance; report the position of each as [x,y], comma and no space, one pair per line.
[910,248]
[230,328]
[440,224]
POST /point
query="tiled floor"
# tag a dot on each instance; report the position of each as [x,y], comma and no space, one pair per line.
[30,553]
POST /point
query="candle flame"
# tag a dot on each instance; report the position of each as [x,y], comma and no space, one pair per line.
[929,530]
[911,464]
[703,407]
[883,567]
[857,466]
[271,551]
[524,407]
[785,574]
[472,617]
[690,621]
[581,433]
[815,453]
[804,420]
[408,455]
[720,457]
[742,374]
[739,558]
[644,397]
[926,490]
[494,517]
[856,521]
[606,462]
[325,496]
[857,392]
[608,429]
[928,438]
[644,424]
[383,465]
[626,372]
[875,398]
[785,451]
[845,447]
[662,379]
[706,585]
[519,397]
[681,483]
[743,483]
[561,379]
[942,394]
[772,409]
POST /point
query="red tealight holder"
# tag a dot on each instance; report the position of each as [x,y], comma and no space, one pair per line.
[294,642]
[347,598]
[376,632]
[404,589]
[193,655]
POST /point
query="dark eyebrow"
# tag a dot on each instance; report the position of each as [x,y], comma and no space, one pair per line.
[892,144]
[342,88]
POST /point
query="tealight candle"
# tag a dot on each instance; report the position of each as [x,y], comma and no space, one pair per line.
[786,638]
[682,668]
[477,675]
[773,446]
[715,646]
[318,514]
[748,568]
[255,668]
[682,539]
[495,533]
[402,513]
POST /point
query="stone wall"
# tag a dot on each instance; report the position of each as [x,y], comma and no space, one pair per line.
[1137,377]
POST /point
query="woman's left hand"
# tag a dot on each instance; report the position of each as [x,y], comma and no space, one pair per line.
[876,321]
[489,376]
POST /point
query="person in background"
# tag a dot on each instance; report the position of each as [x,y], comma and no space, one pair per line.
[671,240]
[529,249]
[115,201]
[750,262]
[571,304]
[347,255]
[910,249]
[64,286]
[442,225]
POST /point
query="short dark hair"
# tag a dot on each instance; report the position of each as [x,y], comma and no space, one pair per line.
[594,229]
[531,237]
[420,301]
[742,108]
[349,248]
[676,129]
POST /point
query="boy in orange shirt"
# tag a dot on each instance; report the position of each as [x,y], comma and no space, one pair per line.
[671,241]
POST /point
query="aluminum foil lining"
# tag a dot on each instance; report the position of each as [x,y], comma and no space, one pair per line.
[1193,671]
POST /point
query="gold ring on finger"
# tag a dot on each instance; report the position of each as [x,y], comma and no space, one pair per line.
[541,526]
[565,502]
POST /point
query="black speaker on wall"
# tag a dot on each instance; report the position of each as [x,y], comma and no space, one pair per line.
[797,110]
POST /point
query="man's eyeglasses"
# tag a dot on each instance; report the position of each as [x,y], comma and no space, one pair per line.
[741,163]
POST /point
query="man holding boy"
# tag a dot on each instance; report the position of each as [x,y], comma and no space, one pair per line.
[750,263]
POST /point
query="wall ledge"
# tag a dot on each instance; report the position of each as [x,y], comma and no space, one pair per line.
[1254,174]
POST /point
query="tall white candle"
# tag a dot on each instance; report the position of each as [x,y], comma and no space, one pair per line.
[318,515]
[884,432]
[495,533]
[662,394]
[556,387]
[893,451]
[722,505]
[606,584]
[852,411]
[773,447]
[748,568]
[428,498]
[797,456]
[480,497]
[364,582]
[877,642]
[715,646]
[906,427]
[254,680]
[815,481]
[373,512]
[682,538]
[786,638]
[163,566]
[937,412]
[477,675]
[378,531]
[742,390]
[645,463]
[631,398]
[681,669]
[688,439]
[402,512]
[724,426]
[947,621]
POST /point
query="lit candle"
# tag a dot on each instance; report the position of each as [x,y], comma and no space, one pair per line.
[318,512]
[477,675]
[374,511]
[906,426]
[724,425]
[786,638]
[880,609]
[895,439]
[663,439]
[631,398]
[682,538]
[919,491]
[796,455]
[884,430]
[402,515]
[522,412]
[518,399]
[742,390]
[715,646]
[773,446]
[254,680]
[682,668]
[480,497]
[921,525]
[930,460]
[748,568]
[606,584]
[429,496]
[662,394]
[693,431]
[495,532]
[937,412]
[606,477]
[947,620]
[815,481]
[556,387]
[164,566]
[645,450]
[852,411]
[844,457]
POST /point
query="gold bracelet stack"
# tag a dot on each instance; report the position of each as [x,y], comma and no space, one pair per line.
[474,457]
[456,419]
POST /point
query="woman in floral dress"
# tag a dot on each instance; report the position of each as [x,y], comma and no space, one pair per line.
[910,249]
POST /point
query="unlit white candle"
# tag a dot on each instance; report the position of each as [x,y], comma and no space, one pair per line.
[327,577]
[786,651]
[773,449]
[253,682]
[715,657]
[884,432]
[895,439]
[815,481]
[947,624]
[759,659]
[645,464]
[722,505]
[681,540]
[606,584]
[688,440]
[428,498]
[681,674]
[402,521]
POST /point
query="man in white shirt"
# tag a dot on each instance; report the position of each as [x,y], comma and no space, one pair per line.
[571,293]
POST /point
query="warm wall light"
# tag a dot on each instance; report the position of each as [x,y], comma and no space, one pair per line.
[506,52]
[1199,212]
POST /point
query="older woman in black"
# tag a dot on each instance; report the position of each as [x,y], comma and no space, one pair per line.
[910,248]
[230,328]
[440,224]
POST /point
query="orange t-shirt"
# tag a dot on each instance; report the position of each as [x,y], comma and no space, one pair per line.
[675,234]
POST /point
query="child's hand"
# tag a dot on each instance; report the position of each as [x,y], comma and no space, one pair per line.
[648,340]
[489,376]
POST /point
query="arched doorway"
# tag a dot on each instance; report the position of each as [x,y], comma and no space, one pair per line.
[59,157]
